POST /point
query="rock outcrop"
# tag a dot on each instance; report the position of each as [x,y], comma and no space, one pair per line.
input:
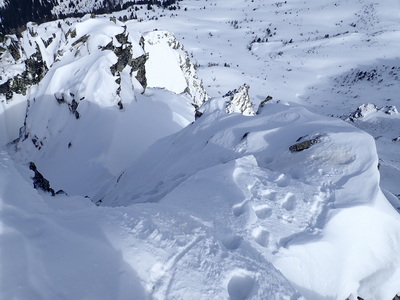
[239,101]
[174,66]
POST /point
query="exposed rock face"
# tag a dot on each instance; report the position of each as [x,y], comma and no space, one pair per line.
[125,58]
[34,69]
[175,61]
[240,101]
[370,108]
[29,58]
[390,110]
[262,104]
[363,110]
[39,182]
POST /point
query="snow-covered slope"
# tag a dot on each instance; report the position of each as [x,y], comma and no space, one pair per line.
[67,248]
[89,114]
[329,57]
[15,14]
[257,191]
[281,185]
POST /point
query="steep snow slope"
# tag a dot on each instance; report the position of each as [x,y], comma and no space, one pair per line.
[67,248]
[90,113]
[227,199]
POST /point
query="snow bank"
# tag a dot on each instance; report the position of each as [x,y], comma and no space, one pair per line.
[65,247]
[311,213]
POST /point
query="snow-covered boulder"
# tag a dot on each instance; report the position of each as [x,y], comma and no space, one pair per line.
[239,101]
[390,110]
[363,111]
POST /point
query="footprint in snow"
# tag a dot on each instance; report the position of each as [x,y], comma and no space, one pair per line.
[269,194]
[289,202]
[282,180]
[239,209]
[231,242]
[261,236]
[241,285]
[263,211]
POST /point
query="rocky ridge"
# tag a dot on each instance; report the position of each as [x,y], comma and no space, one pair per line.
[84,73]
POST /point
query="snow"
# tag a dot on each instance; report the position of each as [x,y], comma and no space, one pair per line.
[58,134]
[162,68]
[159,205]
[11,117]
[281,202]
[68,248]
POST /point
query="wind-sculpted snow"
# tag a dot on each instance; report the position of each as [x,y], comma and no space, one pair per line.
[66,247]
[242,203]
[238,175]
[89,113]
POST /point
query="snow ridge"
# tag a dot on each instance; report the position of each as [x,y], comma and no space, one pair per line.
[148,187]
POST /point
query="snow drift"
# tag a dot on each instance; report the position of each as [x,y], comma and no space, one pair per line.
[237,174]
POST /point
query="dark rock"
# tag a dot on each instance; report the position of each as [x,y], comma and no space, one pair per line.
[262,104]
[61,192]
[122,38]
[362,111]
[47,42]
[37,143]
[304,145]
[35,70]
[60,98]
[13,48]
[73,106]
[82,40]
[197,114]
[39,182]
[124,56]
[109,46]
[138,64]
[390,110]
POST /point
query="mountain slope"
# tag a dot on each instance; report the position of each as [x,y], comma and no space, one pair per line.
[89,113]
[124,178]
[293,207]
[15,14]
